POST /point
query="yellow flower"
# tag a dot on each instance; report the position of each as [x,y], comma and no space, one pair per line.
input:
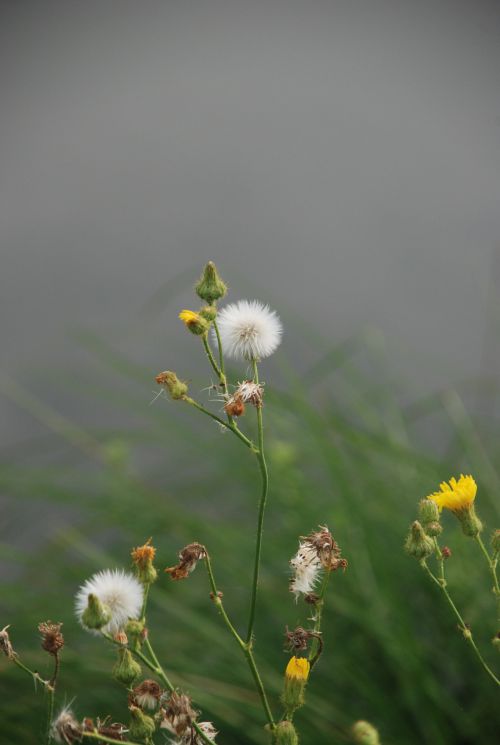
[189,316]
[457,495]
[298,668]
[194,322]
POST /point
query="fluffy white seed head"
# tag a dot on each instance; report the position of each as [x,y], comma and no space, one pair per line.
[249,330]
[119,591]
[306,567]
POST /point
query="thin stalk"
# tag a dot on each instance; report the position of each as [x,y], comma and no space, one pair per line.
[37,678]
[262,507]
[51,690]
[441,583]
[228,425]
[218,371]
[245,647]
[492,563]
[103,738]
[317,643]
[145,600]
[221,356]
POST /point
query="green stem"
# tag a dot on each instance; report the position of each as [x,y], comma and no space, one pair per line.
[145,600]
[441,583]
[221,356]
[211,359]
[492,563]
[245,647]
[103,738]
[317,643]
[37,678]
[262,507]
[228,425]
[50,713]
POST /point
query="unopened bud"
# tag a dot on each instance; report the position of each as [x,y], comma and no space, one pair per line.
[136,632]
[209,313]
[194,322]
[428,512]
[418,543]
[285,734]
[296,675]
[96,614]
[210,286]
[446,552]
[141,725]
[364,733]
[126,669]
[176,388]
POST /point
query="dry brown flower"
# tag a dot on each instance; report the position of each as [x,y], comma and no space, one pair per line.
[188,558]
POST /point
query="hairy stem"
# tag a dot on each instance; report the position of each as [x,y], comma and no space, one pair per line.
[262,507]
[441,583]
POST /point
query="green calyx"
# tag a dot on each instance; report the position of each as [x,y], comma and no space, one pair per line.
[210,286]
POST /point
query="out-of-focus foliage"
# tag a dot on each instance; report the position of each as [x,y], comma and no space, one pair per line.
[342,451]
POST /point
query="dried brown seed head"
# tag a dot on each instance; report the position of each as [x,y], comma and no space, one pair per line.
[188,558]
[52,639]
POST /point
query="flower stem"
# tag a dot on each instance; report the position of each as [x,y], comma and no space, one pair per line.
[244,646]
[221,356]
[218,371]
[228,425]
[492,563]
[103,738]
[317,643]
[50,712]
[262,507]
[441,583]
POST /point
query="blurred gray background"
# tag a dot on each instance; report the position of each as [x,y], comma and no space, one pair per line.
[338,159]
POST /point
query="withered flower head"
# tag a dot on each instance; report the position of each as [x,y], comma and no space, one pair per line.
[143,555]
[52,639]
[298,639]
[327,549]
[191,736]
[178,715]
[65,729]
[147,694]
[188,558]
[250,393]
[115,730]
[234,406]
[5,644]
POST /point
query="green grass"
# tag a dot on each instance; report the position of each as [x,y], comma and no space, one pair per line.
[342,450]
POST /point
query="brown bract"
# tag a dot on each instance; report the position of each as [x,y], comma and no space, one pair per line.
[188,558]
[52,639]
[298,639]
[178,715]
[327,549]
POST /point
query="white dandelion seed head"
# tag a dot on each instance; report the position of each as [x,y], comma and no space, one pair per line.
[120,591]
[249,330]
[306,568]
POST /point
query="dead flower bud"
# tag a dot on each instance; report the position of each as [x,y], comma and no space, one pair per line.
[147,694]
[188,558]
[52,639]
[115,731]
[178,715]
[298,639]
[327,549]
[171,383]
[446,552]
[143,557]
[191,736]
[65,729]
[250,393]
[5,644]
[234,406]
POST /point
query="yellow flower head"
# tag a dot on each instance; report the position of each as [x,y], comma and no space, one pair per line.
[298,668]
[194,322]
[456,495]
[189,317]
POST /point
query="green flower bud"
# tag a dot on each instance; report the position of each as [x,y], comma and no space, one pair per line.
[418,544]
[141,725]
[428,512]
[126,669]
[209,312]
[471,524]
[136,632]
[96,614]
[285,734]
[176,388]
[363,733]
[210,286]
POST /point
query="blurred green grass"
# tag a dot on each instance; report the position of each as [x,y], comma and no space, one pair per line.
[343,450]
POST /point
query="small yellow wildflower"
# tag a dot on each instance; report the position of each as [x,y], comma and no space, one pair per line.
[298,667]
[194,322]
[457,495]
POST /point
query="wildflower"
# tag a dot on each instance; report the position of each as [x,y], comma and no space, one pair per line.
[194,322]
[249,330]
[52,639]
[296,674]
[5,644]
[141,725]
[143,557]
[178,715]
[285,734]
[210,286]
[126,669]
[116,594]
[188,558]
[65,728]
[170,382]
[147,694]
[418,543]
[363,733]
[428,512]
[306,567]
[458,496]
[250,393]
